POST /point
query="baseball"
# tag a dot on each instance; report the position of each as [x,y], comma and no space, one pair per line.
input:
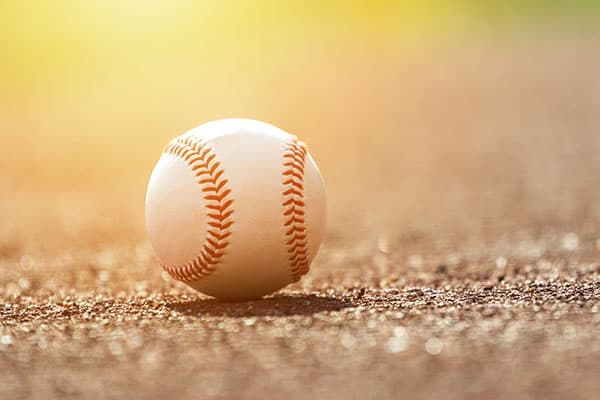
[236,209]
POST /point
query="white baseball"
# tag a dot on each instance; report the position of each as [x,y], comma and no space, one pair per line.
[235,208]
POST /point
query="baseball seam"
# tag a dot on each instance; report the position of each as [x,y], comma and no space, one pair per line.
[201,159]
[294,157]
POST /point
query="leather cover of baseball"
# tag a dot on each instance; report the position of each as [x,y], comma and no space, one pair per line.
[236,209]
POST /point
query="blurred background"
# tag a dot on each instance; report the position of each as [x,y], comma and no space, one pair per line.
[421,115]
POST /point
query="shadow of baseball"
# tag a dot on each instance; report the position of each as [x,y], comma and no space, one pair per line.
[284,304]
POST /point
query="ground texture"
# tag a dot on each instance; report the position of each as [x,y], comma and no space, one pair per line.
[461,259]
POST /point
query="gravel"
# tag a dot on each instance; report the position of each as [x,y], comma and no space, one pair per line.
[490,327]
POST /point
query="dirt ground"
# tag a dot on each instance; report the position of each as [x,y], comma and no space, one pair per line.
[461,258]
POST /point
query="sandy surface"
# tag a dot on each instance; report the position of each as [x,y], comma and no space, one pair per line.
[462,265]
[363,326]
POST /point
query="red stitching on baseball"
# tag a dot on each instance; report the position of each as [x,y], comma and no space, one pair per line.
[200,158]
[294,158]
